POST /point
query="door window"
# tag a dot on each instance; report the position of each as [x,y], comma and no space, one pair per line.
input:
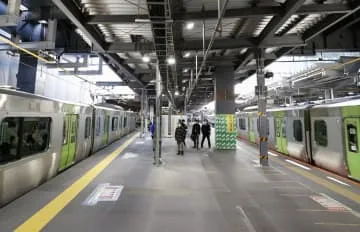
[352,138]
[321,138]
[297,128]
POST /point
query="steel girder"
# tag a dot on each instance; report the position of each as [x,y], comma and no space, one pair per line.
[230,13]
[75,15]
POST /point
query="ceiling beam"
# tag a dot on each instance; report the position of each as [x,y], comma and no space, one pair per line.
[75,15]
[230,13]
[327,23]
[111,83]
[290,7]
[245,42]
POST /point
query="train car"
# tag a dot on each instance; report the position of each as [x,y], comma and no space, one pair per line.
[326,135]
[40,137]
[335,137]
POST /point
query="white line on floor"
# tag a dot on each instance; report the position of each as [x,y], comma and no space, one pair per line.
[245,219]
[273,154]
[337,181]
[297,164]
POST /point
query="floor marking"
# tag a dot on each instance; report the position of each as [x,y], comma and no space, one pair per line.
[329,185]
[328,203]
[41,218]
[129,155]
[353,212]
[140,142]
[337,181]
[335,224]
[104,192]
[297,164]
[294,195]
[320,210]
[245,219]
[273,154]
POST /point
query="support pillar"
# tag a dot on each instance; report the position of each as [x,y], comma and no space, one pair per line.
[329,94]
[26,76]
[146,111]
[157,156]
[142,113]
[261,92]
[169,119]
[225,130]
[151,113]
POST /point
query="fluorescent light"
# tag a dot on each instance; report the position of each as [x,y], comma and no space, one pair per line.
[176,93]
[190,25]
[187,55]
[142,21]
[171,60]
[146,59]
[42,21]
[185,70]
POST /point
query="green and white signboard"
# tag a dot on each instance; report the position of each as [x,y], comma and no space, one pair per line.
[225,132]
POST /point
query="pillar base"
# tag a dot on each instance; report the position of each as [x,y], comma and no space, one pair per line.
[225,132]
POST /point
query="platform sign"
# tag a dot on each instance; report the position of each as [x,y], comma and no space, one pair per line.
[104,192]
[225,133]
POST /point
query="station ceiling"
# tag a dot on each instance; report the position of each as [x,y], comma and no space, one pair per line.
[123,32]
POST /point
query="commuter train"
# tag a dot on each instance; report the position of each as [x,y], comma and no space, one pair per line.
[325,135]
[40,137]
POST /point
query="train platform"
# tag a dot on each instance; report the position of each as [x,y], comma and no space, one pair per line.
[119,189]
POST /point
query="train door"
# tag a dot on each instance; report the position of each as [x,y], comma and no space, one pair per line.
[352,130]
[251,130]
[68,149]
[105,137]
[280,133]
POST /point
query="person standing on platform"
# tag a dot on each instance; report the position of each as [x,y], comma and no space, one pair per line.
[182,122]
[180,134]
[195,133]
[205,129]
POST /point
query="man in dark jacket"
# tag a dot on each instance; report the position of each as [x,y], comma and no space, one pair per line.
[182,122]
[195,133]
[180,134]
[205,129]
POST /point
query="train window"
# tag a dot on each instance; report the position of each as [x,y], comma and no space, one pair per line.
[87,127]
[114,123]
[97,128]
[321,133]
[125,122]
[242,124]
[297,129]
[23,136]
[352,138]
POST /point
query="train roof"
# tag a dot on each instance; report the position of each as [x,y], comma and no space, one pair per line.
[18,93]
[352,102]
[108,106]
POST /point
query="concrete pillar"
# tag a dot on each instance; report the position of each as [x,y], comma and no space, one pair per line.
[225,129]
[26,76]
[261,92]
[169,119]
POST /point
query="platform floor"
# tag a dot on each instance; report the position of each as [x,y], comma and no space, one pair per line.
[205,190]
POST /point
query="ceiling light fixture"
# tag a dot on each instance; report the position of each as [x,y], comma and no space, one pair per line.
[146,59]
[190,25]
[171,60]
[176,93]
[187,55]
[42,21]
